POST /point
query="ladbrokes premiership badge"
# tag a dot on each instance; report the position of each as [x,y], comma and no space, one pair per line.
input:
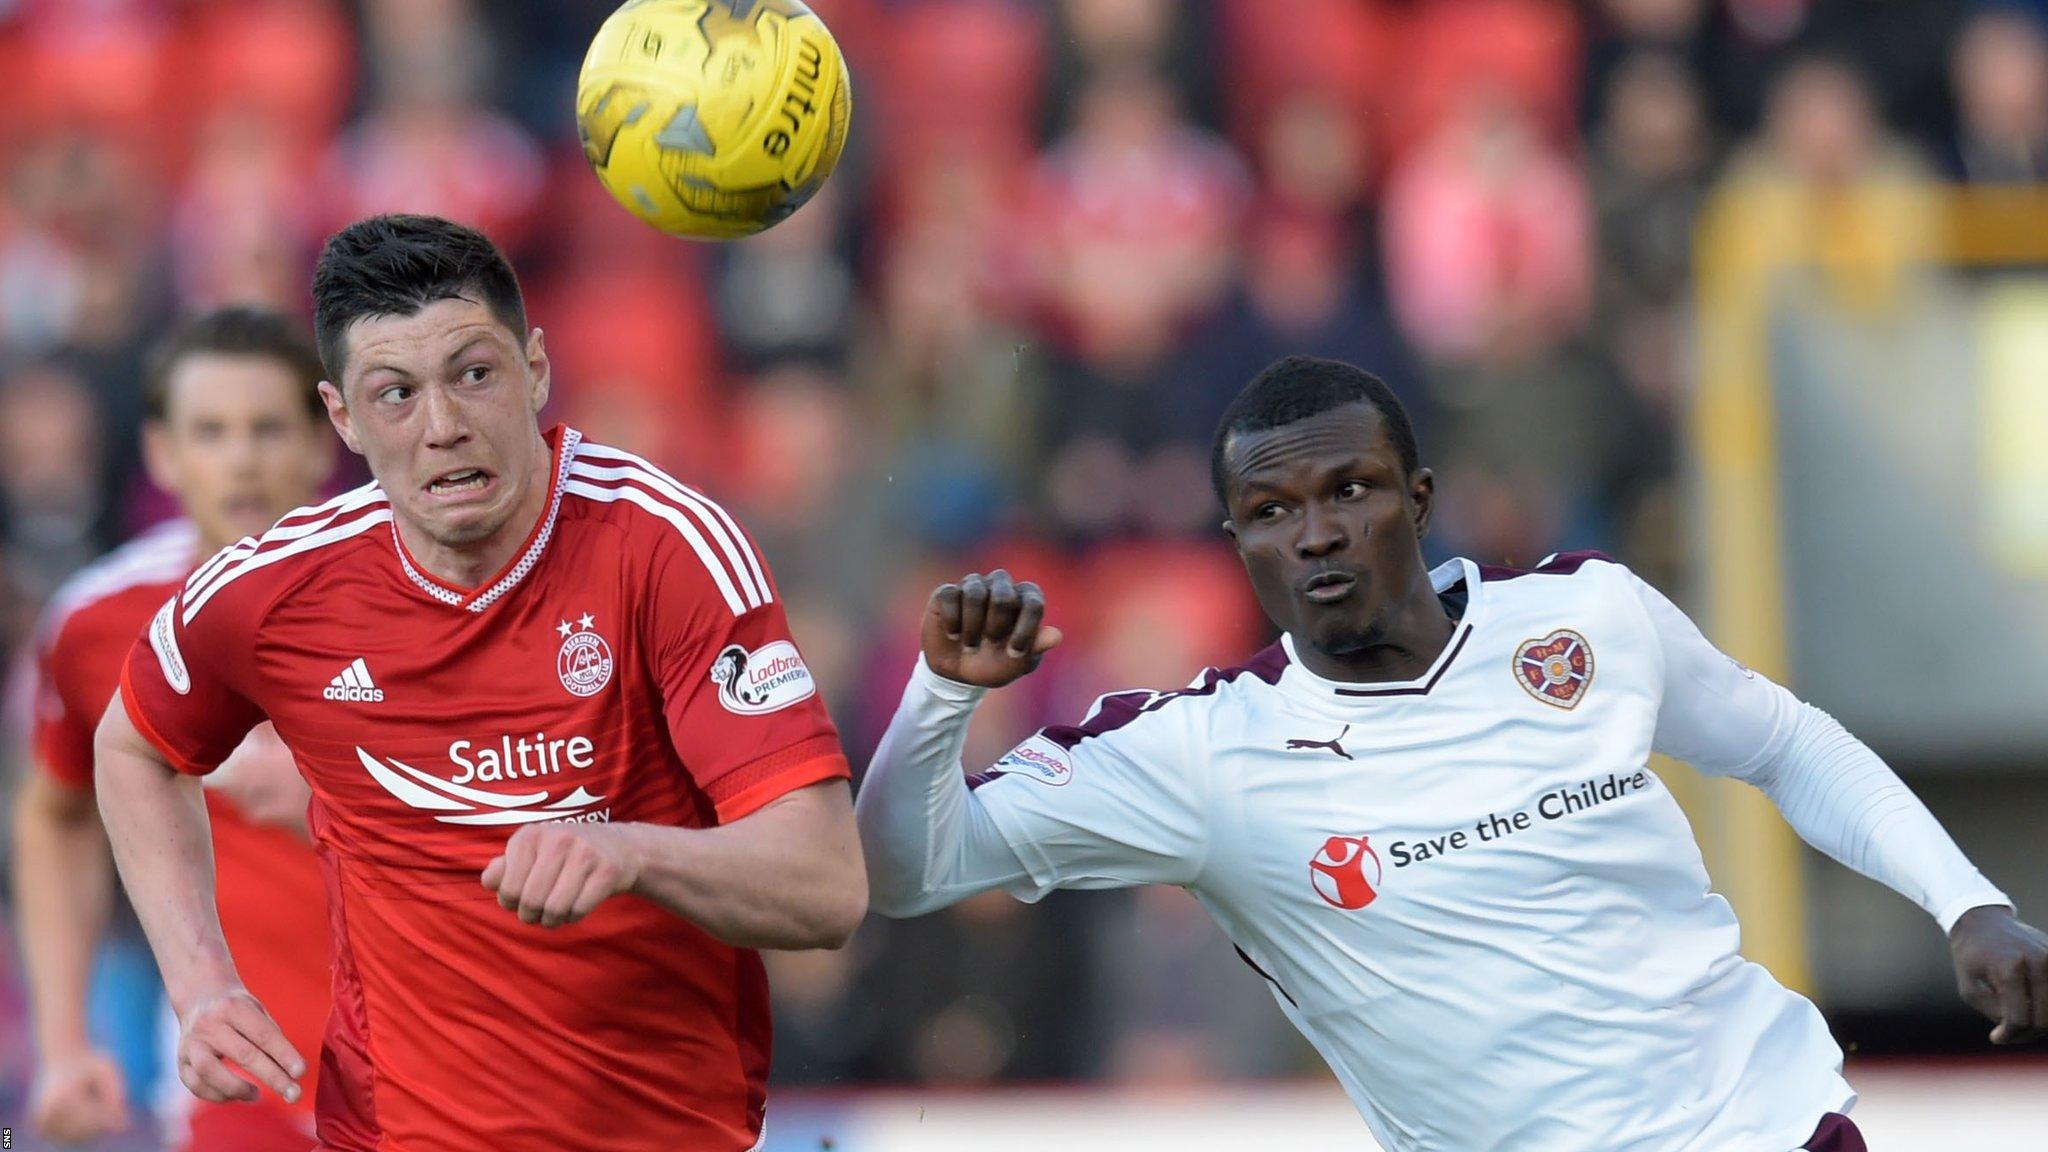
[1555,669]
[585,661]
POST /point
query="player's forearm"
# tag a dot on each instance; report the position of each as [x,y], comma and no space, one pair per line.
[928,843]
[63,887]
[1844,800]
[788,876]
[156,822]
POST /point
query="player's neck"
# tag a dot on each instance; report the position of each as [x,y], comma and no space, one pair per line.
[1416,631]
[470,563]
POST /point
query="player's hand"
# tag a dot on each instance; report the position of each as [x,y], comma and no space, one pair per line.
[2002,971]
[556,874]
[231,1030]
[261,779]
[80,1098]
[986,630]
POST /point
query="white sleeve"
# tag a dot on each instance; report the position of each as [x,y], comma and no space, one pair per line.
[1840,797]
[1091,807]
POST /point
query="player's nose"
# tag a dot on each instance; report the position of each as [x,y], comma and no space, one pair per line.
[1322,532]
[442,419]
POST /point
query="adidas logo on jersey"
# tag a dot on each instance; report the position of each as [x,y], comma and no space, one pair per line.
[353,685]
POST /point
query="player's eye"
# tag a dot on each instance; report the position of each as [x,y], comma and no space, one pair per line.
[476,373]
[1268,511]
[395,394]
[1352,489]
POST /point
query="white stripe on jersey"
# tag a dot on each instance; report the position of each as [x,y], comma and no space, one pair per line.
[676,518]
[317,518]
[723,527]
[157,556]
[264,559]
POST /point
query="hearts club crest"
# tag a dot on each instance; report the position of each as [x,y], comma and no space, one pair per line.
[1555,669]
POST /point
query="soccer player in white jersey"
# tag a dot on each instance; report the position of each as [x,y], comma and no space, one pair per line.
[1424,815]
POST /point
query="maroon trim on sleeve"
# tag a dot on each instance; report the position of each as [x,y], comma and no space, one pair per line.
[1837,1133]
[1562,564]
[1121,708]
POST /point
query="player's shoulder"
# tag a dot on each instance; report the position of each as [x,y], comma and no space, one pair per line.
[122,588]
[1146,714]
[314,539]
[1585,565]
[1585,585]
[683,533]
[1558,575]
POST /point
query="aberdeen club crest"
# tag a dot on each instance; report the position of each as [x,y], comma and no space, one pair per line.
[585,661]
[1555,669]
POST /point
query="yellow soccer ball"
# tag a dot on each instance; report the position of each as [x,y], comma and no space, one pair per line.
[713,118]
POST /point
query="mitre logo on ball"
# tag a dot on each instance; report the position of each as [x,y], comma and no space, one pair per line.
[713,119]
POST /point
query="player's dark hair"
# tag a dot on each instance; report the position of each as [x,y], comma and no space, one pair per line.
[239,330]
[395,265]
[1298,387]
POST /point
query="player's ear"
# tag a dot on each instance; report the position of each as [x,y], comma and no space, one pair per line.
[159,456]
[321,460]
[339,415]
[537,366]
[1422,493]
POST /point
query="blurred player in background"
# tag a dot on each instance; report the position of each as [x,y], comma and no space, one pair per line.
[237,432]
[1424,815]
[516,658]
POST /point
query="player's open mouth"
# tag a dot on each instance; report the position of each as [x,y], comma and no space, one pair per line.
[460,482]
[1328,587]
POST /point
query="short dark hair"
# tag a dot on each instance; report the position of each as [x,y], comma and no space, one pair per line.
[1298,387]
[395,265]
[239,330]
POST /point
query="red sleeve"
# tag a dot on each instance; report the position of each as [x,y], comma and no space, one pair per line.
[742,709]
[63,722]
[179,684]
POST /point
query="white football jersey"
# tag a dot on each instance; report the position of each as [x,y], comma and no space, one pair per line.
[1467,890]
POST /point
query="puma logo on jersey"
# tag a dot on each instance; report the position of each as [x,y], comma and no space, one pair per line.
[353,685]
[1332,744]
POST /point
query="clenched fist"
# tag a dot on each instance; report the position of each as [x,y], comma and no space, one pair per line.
[2002,971]
[79,1098]
[986,630]
[556,874]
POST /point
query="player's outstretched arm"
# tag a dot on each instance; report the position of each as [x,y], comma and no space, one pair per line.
[928,842]
[1843,799]
[156,821]
[63,886]
[786,876]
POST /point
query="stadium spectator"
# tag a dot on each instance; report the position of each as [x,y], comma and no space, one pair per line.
[2000,74]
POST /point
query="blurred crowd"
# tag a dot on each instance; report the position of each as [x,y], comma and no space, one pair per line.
[1065,233]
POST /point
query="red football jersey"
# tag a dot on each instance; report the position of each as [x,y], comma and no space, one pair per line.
[631,663]
[272,898]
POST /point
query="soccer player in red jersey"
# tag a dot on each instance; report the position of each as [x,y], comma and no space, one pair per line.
[516,658]
[235,430]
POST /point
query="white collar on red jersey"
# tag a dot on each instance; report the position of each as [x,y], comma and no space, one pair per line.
[478,599]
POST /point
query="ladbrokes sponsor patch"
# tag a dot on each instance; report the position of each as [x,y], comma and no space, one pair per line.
[770,677]
[1037,758]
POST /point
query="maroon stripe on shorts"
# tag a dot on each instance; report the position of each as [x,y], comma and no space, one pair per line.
[1837,1133]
